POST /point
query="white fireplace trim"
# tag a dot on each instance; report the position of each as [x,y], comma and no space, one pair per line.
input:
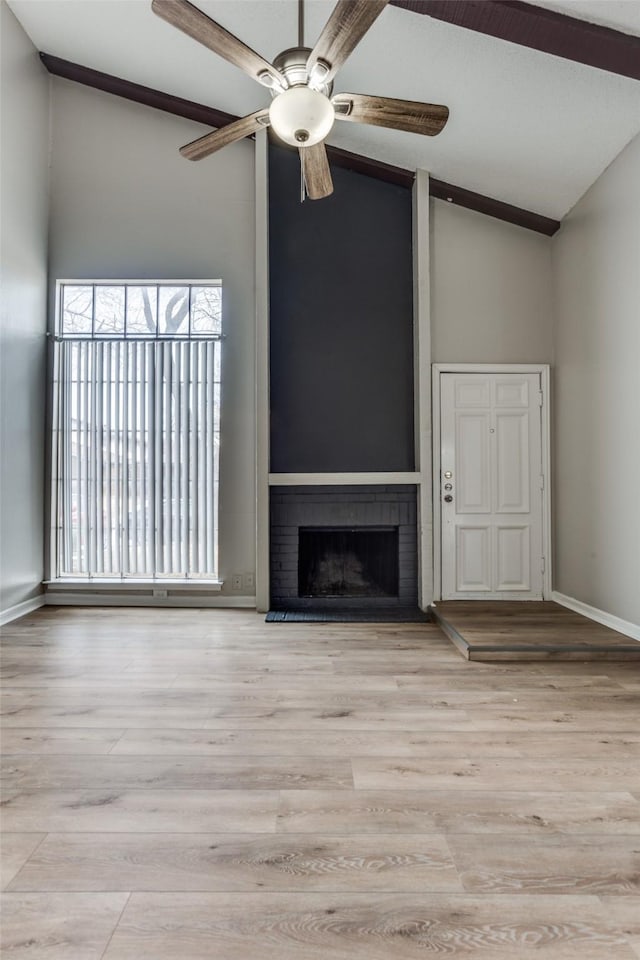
[341,479]
[422,383]
[262,372]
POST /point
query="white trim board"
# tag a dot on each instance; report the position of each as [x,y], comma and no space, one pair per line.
[21,609]
[341,479]
[88,599]
[489,367]
[422,383]
[600,616]
[262,404]
[545,385]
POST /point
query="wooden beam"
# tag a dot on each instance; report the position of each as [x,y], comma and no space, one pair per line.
[441,190]
[539,29]
[136,92]
[371,167]
[341,158]
[493,208]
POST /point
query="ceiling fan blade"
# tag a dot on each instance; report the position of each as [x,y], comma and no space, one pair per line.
[425,118]
[342,32]
[211,142]
[315,169]
[196,24]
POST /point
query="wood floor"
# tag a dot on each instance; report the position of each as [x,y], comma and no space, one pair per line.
[498,630]
[200,785]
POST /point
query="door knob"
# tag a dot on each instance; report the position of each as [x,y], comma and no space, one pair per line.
[448,498]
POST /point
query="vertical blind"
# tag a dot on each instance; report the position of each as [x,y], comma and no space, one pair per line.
[135,460]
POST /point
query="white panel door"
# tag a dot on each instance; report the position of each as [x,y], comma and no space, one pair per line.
[491,486]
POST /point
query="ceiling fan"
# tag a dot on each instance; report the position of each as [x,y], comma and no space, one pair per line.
[300,80]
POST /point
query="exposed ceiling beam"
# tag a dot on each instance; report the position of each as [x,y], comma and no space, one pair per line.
[341,158]
[540,29]
[370,167]
[492,208]
[136,92]
[441,190]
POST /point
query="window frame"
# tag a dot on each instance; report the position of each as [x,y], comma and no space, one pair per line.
[89,582]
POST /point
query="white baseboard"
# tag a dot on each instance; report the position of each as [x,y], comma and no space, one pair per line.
[21,609]
[600,616]
[69,599]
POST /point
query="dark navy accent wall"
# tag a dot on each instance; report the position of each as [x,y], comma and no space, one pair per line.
[341,324]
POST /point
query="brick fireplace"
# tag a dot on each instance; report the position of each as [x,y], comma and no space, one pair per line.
[348,546]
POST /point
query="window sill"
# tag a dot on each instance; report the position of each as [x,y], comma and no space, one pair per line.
[99,584]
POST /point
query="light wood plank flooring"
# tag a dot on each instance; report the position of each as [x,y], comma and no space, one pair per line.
[191,784]
[499,630]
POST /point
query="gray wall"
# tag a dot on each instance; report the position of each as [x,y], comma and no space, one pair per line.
[23,256]
[596,274]
[124,204]
[490,289]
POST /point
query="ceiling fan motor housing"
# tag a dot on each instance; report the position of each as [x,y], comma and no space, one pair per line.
[292,63]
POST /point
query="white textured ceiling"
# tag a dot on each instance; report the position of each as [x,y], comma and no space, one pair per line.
[526,128]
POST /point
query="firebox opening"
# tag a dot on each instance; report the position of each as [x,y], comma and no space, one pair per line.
[347,562]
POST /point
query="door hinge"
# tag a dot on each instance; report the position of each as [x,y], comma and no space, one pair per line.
[540,398]
[543,564]
[542,481]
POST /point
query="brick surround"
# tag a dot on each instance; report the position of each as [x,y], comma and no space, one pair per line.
[351,507]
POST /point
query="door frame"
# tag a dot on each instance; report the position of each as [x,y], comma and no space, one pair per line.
[437,369]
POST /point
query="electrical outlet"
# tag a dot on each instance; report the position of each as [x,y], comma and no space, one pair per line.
[236,581]
[160,594]
[249,581]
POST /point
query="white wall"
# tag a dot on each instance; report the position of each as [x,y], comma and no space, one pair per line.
[125,204]
[596,274]
[23,257]
[490,289]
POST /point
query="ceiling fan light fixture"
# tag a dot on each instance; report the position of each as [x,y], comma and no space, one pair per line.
[271,83]
[301,117]
[318,74]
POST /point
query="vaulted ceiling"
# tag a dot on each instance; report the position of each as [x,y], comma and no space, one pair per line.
[526,127]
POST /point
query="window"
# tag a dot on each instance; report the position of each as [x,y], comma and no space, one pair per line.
[136,427]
